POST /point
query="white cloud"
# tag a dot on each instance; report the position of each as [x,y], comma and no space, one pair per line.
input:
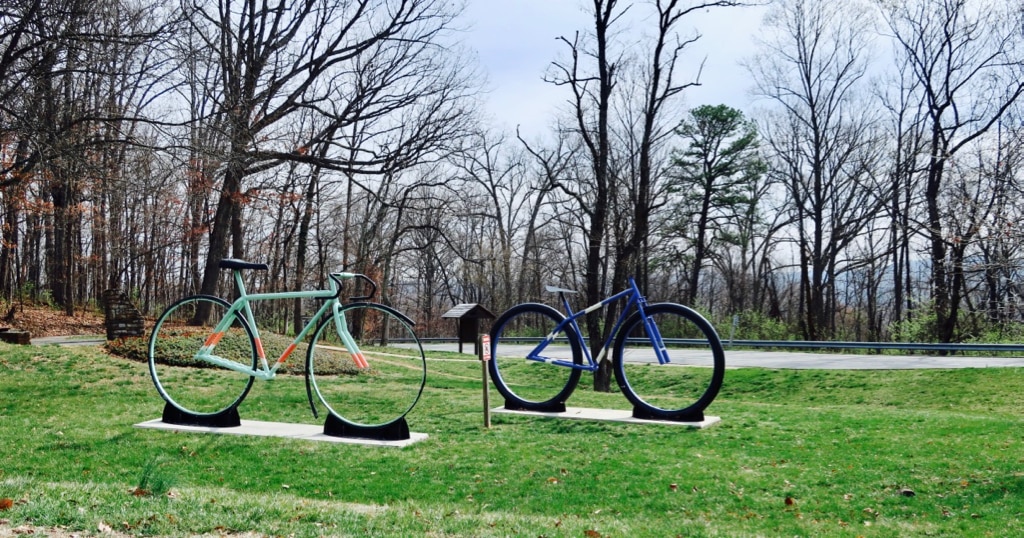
[516,41]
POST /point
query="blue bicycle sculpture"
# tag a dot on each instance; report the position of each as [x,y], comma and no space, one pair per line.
[668,360]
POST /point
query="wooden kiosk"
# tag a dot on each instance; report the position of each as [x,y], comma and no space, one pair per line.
[468,316]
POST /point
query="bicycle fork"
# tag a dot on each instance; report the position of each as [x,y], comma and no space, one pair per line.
[340,327]
[660,351]
[346,338]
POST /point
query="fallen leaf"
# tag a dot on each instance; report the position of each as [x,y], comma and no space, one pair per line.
[592,534]
[673,487]
[790,501]
[6,504]
[907,492]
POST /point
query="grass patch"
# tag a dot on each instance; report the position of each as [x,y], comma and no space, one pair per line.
[798,453]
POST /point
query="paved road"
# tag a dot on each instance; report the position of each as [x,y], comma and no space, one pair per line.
[82,340]
[737,359]
[828,361]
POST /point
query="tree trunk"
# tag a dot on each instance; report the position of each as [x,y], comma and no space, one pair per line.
[944,322]
[227,206]
[301,242]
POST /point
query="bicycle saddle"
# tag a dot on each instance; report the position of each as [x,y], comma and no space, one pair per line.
[232,263]
[555,289]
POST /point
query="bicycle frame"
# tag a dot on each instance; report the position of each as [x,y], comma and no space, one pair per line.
[264,370]
[635,299]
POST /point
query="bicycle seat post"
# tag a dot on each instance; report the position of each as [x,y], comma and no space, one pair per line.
[239,282]
[565,303]
[247,310]
[562,292]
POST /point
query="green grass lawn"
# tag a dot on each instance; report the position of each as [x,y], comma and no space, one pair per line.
[798,453]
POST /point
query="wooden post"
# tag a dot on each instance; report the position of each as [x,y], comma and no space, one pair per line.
[484,349]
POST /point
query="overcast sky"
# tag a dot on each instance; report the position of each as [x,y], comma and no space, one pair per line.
[516,42]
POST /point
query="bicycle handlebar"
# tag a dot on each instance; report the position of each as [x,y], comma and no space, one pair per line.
[373,288]
[338,277]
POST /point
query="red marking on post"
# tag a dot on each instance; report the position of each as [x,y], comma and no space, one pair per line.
[485,347]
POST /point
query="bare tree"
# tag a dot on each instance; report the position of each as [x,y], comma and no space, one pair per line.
[967,60]
[510,193]
[748,243]
[821,143]
[593,71]
[83,70]
[352,63]
[1000,236]
[591,103]
[906,129]
[32,33]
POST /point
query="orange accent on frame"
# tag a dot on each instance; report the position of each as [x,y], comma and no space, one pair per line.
[213,339]
[259,349]
[360,360]
[287,352]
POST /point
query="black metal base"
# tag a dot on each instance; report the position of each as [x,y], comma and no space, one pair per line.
[557,407]
[394,431]
[227,418]
[683,416]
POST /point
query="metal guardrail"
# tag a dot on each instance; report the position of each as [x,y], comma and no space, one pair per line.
[900,346]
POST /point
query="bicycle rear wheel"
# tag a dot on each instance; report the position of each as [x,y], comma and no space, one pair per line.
[391,385]
[193,386]
[682,388]
[528,384]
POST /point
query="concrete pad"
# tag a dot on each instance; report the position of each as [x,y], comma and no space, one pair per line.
[308,432]
[608,415]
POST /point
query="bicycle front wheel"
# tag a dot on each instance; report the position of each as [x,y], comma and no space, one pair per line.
[194,386]
[682,388]
[389,385]
[529,384]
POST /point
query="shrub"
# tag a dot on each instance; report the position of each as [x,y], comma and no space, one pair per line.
[179,349]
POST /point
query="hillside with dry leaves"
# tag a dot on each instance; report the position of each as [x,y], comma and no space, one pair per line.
[42,321]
